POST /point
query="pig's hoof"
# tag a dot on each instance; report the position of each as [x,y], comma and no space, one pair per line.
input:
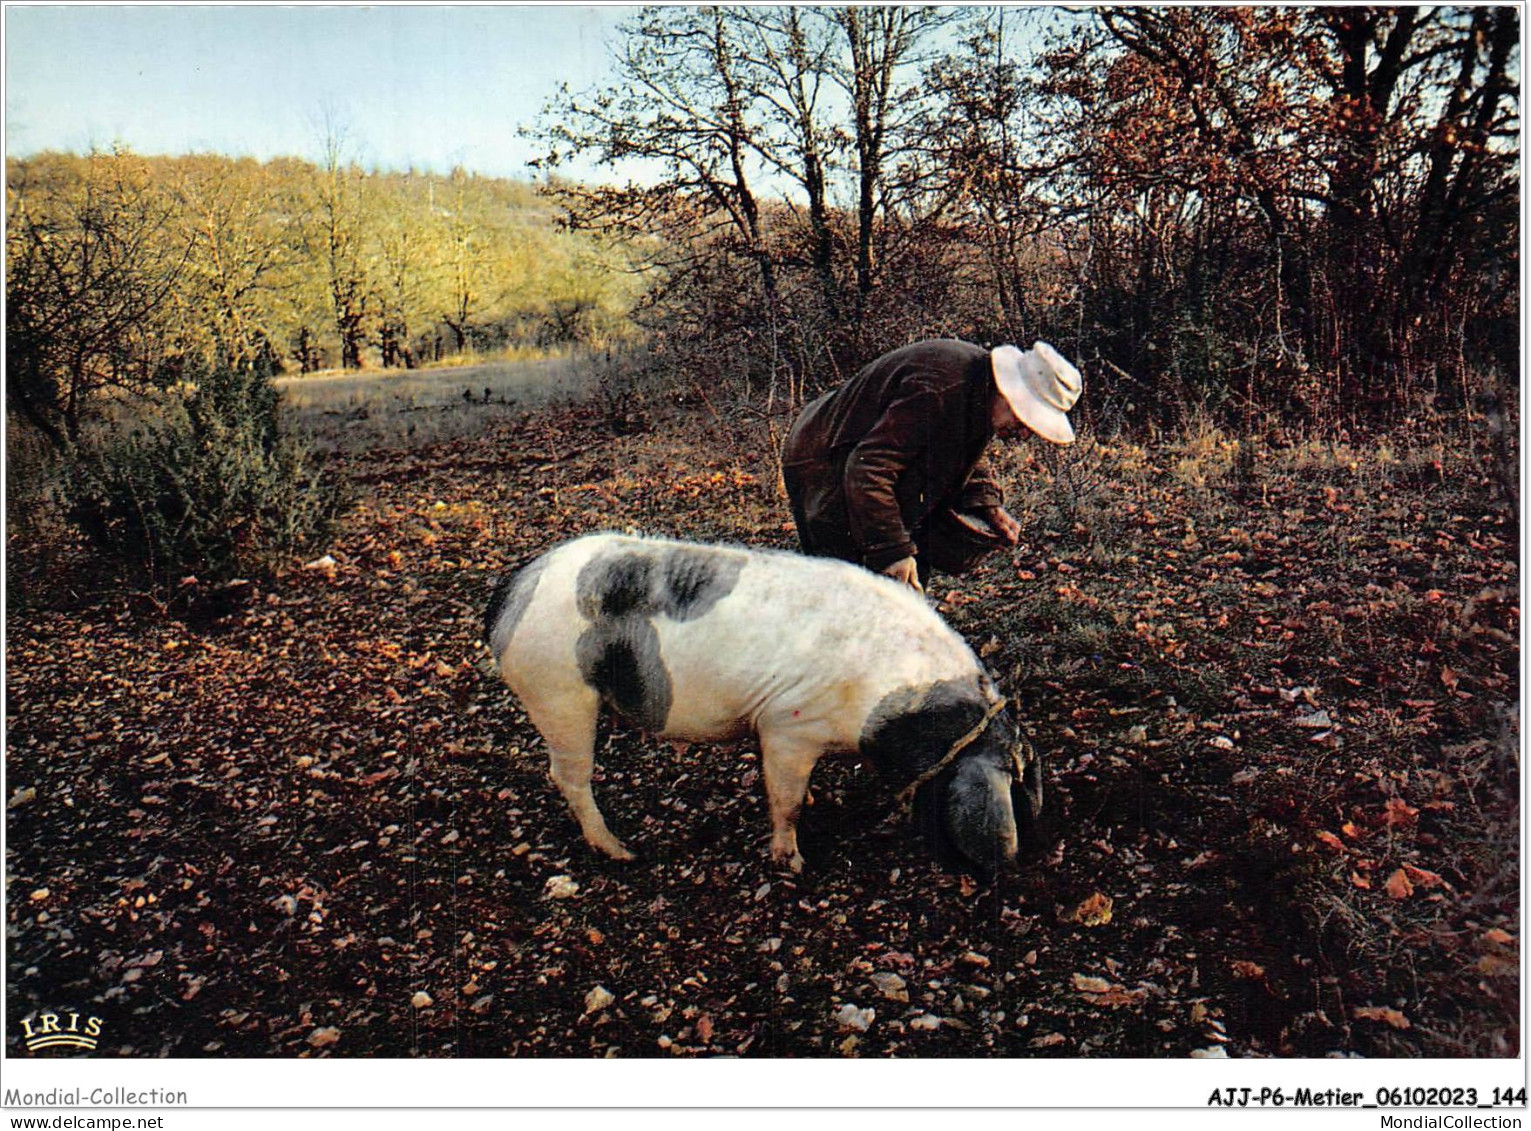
[792,858]
[613,847]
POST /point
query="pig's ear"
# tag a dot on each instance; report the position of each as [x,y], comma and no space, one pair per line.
[1026,799]
[930,818]
[1030,784]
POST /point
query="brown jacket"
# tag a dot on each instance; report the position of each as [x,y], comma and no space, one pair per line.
[867,463]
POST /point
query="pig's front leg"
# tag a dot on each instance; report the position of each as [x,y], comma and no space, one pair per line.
[787,760]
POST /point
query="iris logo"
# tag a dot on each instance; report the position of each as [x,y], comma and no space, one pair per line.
[67,1030]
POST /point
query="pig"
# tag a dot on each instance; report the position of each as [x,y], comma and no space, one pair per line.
[697,642]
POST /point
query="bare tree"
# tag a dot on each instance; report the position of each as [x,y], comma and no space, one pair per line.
[339,220]
[883,45]
[90,267]
[789,52]
[240,251]
[677,102]
[464,260]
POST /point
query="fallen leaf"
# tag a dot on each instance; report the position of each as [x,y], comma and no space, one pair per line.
[1421,878]
[1098,991]
[422,1000]
[1095,911]
[1243,969]
[1118,996]
[1382,1013]
[324,1036]
[1399,812]
[1497,965]
[890,986]
[1398,885]
[1329,840]
[854,1018]
[598,998]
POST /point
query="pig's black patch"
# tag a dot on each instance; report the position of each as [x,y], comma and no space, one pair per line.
[912,728]
[496,603]
[680,583]
[508,602]
[963,811]
[693,581]
[619,657]
[620,594]
[615,585]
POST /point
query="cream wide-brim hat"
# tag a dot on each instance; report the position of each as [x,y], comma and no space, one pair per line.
[1040,386]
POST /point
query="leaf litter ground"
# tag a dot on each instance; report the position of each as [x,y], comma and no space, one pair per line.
[1277,698]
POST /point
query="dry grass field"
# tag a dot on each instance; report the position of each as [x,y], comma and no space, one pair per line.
[416,407]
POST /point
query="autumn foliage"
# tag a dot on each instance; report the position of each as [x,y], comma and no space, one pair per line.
[1305,217]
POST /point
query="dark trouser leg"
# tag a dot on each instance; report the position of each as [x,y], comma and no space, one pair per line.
[945,550]
[792,480]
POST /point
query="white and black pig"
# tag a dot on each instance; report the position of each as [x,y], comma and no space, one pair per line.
[697,642]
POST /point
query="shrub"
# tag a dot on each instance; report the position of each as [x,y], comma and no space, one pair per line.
[212,488]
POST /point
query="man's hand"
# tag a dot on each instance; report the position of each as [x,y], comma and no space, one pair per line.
[906,571]
[1008,528]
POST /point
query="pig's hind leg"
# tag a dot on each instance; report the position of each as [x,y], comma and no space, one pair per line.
[569,731]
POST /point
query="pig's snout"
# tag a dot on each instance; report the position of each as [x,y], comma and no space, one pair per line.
[967,812]
[980,818]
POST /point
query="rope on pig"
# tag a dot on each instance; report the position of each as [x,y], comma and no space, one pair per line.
[906,798]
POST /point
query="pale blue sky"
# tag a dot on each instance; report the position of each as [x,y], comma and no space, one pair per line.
[428,86]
